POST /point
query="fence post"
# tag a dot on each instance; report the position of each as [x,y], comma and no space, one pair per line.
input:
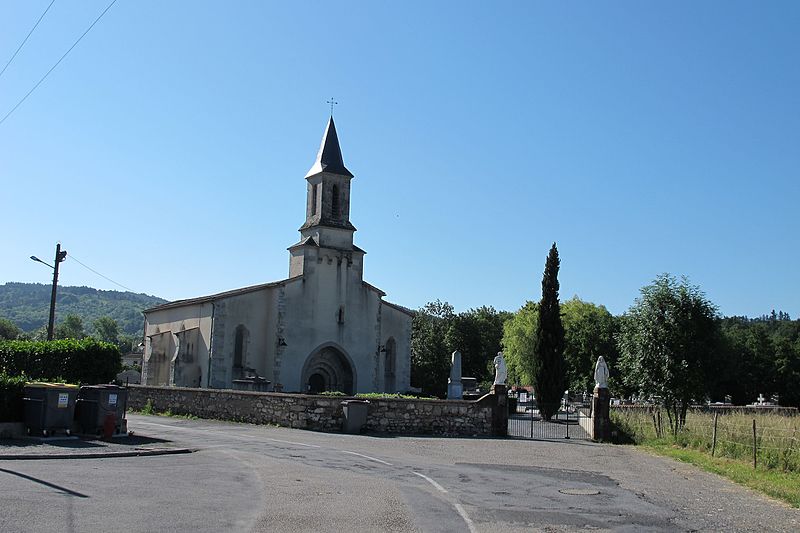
[714,436]
[567,410]
[754,443]
[531,418]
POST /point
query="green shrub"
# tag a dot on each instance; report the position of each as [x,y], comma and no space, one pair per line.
[87,361]
[148,408]
[11,394]
[389,396]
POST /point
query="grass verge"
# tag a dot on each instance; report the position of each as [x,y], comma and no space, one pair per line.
[784,486]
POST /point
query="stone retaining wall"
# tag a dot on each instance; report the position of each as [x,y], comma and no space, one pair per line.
[322,413]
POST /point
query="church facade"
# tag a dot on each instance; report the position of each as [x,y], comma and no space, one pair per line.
[322,329]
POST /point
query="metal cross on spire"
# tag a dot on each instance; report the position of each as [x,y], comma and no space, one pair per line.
[332,102]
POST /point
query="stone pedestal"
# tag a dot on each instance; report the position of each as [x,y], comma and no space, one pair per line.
[601,418]
[499,410]
[455,390]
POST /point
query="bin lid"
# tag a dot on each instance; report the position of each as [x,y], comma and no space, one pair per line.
[346,402]
[109,386]
[39,384]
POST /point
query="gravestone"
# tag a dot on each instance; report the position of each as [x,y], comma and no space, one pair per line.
[455,389]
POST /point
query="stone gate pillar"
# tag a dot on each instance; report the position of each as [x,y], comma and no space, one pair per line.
[499,410]
[601,418]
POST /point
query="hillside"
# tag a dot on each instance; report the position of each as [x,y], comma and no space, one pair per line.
[28,305]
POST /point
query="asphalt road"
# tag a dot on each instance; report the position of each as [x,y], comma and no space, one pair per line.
[256,478]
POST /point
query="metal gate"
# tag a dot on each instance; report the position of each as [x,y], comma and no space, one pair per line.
[568,421]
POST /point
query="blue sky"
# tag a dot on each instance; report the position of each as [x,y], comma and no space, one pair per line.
[168,150]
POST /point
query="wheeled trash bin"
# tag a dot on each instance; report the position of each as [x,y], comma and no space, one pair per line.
[101,410]
[355,415]
[49,407]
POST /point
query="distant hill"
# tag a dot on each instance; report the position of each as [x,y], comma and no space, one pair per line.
[28,305]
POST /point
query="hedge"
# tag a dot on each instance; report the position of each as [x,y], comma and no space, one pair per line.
[11,408]
[87,361]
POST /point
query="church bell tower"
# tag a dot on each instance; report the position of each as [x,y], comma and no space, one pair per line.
[327,222]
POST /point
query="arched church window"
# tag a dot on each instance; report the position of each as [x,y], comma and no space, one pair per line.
[313,200]
[239,346]
[336,206]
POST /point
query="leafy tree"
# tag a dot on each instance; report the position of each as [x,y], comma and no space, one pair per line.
[9,330]
[668,342]
[477,334]
[437,331]
[127,343]
[106,329]
[430,359]
[70,328]
[549,367]
[518,343]
[589,332]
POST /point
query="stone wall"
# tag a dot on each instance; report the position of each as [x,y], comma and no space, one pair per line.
[322,413]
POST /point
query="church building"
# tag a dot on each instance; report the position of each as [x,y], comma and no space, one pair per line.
[321,329]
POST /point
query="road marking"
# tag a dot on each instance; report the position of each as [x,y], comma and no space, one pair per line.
[368,457]
[432,482]
[165,426]
[459,508]
[466,518]
[292,442]
[229,435]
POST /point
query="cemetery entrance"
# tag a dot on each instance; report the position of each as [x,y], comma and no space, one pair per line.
[528,419]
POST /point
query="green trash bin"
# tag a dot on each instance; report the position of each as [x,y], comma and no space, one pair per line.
[49,407]
[355,415]
[101,409]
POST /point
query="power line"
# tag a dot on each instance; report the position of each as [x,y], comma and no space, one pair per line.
[25,40]
[71,256]
[59,61]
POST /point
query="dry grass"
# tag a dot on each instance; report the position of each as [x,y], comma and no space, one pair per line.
[777,438]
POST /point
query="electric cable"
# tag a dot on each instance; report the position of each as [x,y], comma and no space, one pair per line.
[71,256]
[25,40]
[59,61]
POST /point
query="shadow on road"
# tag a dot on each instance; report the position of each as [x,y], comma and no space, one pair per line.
[45,483]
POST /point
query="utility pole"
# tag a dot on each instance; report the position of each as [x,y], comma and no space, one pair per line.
[60,256]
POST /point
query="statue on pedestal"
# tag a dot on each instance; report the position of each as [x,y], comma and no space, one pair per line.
[601,374]
[500,370]
[601,416]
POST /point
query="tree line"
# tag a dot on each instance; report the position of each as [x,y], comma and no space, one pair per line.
[671,346]
[27,305]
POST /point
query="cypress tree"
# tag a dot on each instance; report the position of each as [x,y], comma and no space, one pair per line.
[549,367]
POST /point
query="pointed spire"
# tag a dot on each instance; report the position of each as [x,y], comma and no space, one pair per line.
[329,158]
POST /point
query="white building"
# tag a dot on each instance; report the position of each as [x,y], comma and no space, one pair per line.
[322,328]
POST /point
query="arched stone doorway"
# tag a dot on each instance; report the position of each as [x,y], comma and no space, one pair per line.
[328,369]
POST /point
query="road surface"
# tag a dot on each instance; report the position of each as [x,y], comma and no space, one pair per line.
[257,478]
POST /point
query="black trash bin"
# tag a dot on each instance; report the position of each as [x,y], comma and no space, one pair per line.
[101,409]
[355,415]
[49,407]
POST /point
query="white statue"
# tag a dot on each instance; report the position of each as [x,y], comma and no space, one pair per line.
[500,370]
[601,373]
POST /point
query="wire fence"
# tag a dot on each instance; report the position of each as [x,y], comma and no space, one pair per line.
[771,441]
